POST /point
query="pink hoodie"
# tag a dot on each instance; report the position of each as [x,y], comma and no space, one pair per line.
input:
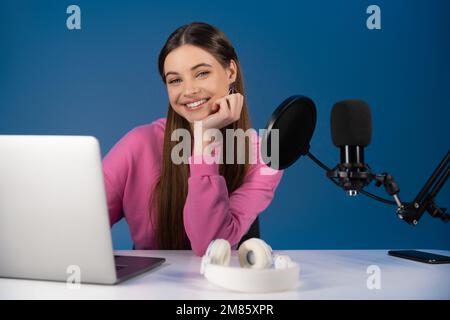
[132,168]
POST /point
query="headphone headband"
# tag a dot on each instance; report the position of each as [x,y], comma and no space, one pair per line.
[276,273]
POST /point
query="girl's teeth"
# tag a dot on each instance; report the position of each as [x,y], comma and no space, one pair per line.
[195,104]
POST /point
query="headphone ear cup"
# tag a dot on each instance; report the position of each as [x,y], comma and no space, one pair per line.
[219,252]
[255,254]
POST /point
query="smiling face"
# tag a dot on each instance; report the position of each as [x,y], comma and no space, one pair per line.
[194,80]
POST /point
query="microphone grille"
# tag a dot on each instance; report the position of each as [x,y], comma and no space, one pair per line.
[351,123]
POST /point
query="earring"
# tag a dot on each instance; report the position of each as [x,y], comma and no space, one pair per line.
[232,88]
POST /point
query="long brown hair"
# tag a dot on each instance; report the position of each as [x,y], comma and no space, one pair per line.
[171,190]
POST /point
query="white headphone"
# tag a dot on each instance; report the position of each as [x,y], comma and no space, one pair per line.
[261,271]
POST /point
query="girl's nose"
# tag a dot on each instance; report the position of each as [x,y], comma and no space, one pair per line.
[191,89]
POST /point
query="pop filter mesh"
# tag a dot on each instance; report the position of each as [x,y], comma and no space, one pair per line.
[295,119]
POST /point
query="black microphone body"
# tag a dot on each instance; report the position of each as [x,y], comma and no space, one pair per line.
[351,131]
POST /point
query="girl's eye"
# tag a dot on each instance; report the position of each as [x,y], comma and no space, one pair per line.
[203,74]
[174,81]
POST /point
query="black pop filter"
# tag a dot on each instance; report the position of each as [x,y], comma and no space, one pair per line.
[295,119]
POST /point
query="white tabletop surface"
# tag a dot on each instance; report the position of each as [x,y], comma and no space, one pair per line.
[324,274]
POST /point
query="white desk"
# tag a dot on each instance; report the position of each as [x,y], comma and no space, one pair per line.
[340,274]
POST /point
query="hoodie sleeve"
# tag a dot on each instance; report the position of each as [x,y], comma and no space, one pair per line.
[211,213]
[115,171]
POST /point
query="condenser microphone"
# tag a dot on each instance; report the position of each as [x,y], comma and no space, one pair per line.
[351,131]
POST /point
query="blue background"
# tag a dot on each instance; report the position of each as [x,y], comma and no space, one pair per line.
[102,80]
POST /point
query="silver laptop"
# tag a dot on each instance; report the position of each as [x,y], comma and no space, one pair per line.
[54,222]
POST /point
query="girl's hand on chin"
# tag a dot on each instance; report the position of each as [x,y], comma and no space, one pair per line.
[226,110]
